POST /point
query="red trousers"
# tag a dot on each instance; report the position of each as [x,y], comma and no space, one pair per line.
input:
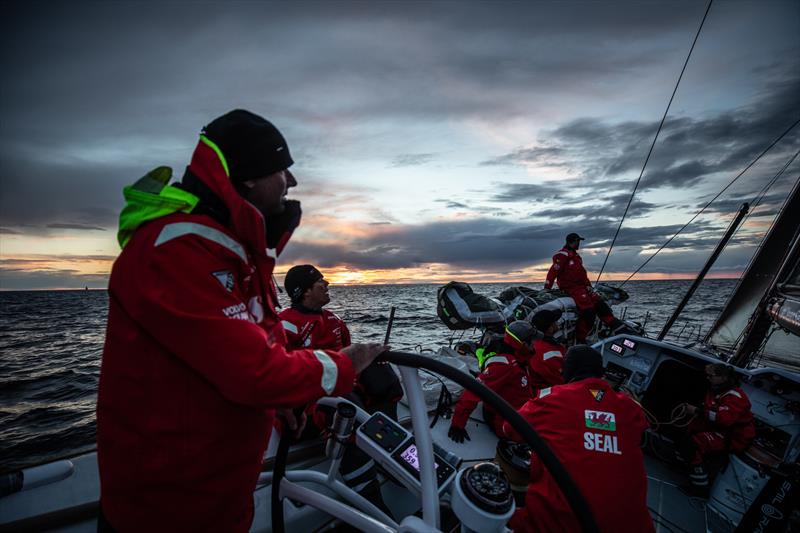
[706,442]
[589,305]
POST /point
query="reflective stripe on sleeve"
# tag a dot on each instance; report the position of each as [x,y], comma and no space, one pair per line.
[495,359]
[329,371]
[544,392]
[550,355]
[288,326]
[179,229]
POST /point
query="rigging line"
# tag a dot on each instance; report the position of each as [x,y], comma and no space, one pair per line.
[653,144]
[753,162]
[755,202]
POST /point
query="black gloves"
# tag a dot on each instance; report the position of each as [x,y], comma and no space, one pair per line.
[458,434]
[280,227]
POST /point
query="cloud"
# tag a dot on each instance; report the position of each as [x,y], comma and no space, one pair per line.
[408,160]
[515,192]
[495,244]
[80,227]
[560,118]
[451,204]
[690,150]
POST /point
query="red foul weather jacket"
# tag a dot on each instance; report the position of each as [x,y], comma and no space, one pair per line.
[567,270]
[322,329]
[728,413]
[506,376]
[546,363]
[595,433]
[193,367]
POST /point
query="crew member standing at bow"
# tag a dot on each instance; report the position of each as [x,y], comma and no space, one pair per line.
[508,374]
[568,272]
[723,423]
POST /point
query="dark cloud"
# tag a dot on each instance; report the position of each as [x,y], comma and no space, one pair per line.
[6,231]
[11,279]
[515,192]
[501,244]
[602,208]
[450,204]
[80,227]
[689,151]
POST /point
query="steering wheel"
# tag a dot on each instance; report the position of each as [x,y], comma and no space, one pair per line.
[408,363]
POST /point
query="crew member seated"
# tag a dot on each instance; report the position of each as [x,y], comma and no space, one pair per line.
[595,432]
[308,325]
[507,373]
[568,272]
[548,357]
[724,423]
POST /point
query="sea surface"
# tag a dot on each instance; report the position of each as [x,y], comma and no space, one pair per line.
[51,343]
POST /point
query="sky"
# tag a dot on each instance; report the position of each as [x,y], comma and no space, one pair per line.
[433,141]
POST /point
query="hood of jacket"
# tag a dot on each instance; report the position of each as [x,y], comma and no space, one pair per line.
[151,197]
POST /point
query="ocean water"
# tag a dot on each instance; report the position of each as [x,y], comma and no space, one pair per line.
[51,343]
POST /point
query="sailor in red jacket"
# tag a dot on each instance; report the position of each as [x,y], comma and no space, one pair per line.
[194,364]
[723,423]
[507,374]
[306,322]
[308,325]
[548,353]
[595,432]
[568,272]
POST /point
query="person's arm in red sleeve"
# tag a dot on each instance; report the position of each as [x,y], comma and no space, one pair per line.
[183,308]
[555,270]
[464,407]
[493,377]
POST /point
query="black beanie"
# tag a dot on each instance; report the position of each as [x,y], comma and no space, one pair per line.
[299,279]
[545,318]
[252,146]
[582,362]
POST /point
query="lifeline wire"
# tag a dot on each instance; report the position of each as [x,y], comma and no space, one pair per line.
[649,153]
[753,162]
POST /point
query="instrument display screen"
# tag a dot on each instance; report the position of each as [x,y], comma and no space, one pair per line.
[616,348]
[629,344]
[409,455]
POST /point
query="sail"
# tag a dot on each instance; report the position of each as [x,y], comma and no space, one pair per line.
[744,323]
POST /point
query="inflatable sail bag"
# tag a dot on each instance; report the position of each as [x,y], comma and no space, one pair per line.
[460,308]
